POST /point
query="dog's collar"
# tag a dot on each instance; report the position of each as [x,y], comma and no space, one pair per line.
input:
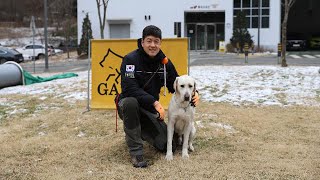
[179,104]
[185,108]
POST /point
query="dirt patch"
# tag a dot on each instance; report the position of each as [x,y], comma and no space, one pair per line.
[60,141]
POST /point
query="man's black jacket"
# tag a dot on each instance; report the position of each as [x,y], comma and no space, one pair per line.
[142,77]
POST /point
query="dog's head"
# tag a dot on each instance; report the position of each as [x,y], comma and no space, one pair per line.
[184,87]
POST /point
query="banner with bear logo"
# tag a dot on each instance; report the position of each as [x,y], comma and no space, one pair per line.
[106,60]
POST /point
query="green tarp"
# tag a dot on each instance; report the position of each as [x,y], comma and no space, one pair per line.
[29,79]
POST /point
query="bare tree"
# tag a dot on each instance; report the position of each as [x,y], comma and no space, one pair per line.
[287,5]
[64,20]
[34,8]
[102,20]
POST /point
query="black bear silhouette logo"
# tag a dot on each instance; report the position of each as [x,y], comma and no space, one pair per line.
[105,56]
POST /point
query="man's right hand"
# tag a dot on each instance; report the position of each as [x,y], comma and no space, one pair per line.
[160,109]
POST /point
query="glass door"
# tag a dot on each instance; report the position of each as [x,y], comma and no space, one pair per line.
[220,34]
[201,37]
[211,36]
[191,33]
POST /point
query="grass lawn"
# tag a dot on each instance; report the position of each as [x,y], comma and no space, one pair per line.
[53,139]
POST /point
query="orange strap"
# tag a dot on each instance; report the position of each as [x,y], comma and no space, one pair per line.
[117,99]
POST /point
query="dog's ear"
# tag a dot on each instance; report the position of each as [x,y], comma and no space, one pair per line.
[175,85]
[194,87]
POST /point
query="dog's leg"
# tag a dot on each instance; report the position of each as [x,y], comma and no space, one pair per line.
[180,140]
[186,134]
[170,131]
[192,135]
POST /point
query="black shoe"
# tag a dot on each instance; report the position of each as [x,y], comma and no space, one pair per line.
[138,161]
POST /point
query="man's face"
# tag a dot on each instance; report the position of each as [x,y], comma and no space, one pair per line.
[151,45]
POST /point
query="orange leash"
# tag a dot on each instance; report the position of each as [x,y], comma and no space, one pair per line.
[117,99]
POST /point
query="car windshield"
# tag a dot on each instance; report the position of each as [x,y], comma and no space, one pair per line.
[12,51]
[295,36]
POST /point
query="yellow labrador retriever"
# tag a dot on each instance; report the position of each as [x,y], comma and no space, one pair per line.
[181,114]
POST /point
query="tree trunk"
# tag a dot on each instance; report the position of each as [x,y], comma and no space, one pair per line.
[101,32]
[100,22]
[287,5]
[105,5]
[284,35]
[68,39]
[283,44]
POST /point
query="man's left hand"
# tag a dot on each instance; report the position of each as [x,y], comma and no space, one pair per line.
[195,98]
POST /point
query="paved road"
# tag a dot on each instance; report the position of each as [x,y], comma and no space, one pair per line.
[196,59]
[215,58]
[56,66]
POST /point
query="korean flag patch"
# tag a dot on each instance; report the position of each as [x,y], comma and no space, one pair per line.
[129,68]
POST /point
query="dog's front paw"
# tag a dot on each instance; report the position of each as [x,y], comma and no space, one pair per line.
[191,148]
[185,154]
[169,156]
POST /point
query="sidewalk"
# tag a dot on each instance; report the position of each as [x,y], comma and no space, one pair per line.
[217,58]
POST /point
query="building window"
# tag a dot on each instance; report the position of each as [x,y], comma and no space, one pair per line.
[177,29]
[255,3]
[265,3]
[254,22]
[256,11]
[246,3]
[265,22]
[237,3]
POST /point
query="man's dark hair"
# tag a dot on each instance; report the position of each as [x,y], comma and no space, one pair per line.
[151,30]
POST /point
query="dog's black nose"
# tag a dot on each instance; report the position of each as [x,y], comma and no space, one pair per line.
[187,98]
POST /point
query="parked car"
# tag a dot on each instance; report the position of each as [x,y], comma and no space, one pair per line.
[39,51]
[7,54]
[56,50]
[71,46]
[296,41]
[314,41]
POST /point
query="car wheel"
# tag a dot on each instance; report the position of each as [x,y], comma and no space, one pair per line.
[2,61]
[41,56]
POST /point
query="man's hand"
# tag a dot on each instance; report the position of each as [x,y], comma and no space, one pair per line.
[195,98]
[160,109]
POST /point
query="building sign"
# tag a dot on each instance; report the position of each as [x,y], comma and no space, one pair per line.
[106,60]
[222,46]
[204,7]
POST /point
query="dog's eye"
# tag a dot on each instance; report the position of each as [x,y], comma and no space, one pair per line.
[182,86]
[190,86]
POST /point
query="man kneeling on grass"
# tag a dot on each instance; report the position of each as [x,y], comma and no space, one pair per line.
[142,76]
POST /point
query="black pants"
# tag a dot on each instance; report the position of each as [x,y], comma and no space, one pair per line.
[141,125]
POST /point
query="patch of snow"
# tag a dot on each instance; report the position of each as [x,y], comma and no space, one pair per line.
[68,88]
[262,85]
[81,134]
[42,133]
[43,98]
[238,85]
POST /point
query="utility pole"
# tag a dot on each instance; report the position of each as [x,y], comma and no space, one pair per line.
[89,65]
[46,35]
[259,24]
[33,28]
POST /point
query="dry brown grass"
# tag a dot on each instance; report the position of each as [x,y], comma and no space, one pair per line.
[56,140]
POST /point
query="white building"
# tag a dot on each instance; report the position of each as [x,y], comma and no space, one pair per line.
[206,22]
